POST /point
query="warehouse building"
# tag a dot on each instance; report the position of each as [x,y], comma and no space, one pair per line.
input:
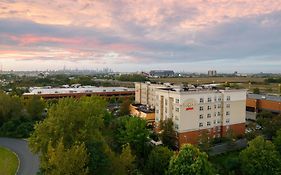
[78,91]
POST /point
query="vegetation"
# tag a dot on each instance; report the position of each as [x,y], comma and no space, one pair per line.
[8,162]
[17,116]
[168,134]
[158,161]
[132,78]
[190,160]
[269,122]
[260,157]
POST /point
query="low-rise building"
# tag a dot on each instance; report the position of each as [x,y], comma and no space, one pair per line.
[48,92]
[258,102]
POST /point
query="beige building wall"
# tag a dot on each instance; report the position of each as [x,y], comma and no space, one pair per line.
[219,108]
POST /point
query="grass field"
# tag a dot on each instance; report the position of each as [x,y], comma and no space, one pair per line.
[242,82]
[8,162]
[202,80]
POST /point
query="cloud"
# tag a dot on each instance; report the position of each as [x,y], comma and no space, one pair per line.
[141,32]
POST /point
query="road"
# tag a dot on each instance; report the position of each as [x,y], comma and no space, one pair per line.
[225,147]
[29,163]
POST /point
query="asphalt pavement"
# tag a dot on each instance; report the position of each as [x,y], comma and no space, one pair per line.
[29,163]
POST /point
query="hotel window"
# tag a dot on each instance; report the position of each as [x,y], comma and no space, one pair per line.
[215,106]
[201,100]
[208,115]
[219,114]
[228,98]
[177,100]
[201,108]
[201,116]
[177,109]
[166,101]
[218,121]
[215,99]
[176,126]
[215,114]
[227,120]
[214,122]
[219,106]
[227,113]
[219,99]
[227,105]
[157,111]
[165,110]
[209,99]
[208,123]
[200,124]
[209,107]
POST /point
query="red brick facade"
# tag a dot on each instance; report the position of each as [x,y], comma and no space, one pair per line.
[194,136]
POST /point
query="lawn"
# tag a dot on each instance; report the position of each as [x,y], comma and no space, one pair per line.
[8,162]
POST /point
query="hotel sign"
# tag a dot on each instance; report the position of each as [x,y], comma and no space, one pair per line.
[189,105]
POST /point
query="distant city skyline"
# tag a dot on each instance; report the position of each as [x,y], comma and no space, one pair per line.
[124,35]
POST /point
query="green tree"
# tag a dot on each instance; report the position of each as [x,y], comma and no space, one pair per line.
[270,123]
[35,107]
[127,159]
[205,141]
[158,161]
[125,107]
[260,158]
[168,134]
[256,91]
[76,121]
[66,161]
[277,141]
[191,161]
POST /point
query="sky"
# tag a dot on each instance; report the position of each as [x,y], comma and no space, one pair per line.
[140,35]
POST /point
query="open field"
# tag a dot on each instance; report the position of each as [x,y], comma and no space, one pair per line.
[240,82]
[8,162]
[202,80]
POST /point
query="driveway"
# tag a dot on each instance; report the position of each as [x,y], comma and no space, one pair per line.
[29,163]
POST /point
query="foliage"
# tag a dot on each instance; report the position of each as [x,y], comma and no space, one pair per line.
[63,160]
[132,78]
[35,106]
[127,159]
[131,130]
[168,134]
[125,107]
[158,161]
[190,160]
[228,163]
[270,123]
[273,80]
[260,157]
[277,141]
[205,141]
[18,116]
[256,91]
[75,121]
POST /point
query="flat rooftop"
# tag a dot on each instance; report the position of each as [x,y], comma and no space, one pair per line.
[264,97]
[80,89]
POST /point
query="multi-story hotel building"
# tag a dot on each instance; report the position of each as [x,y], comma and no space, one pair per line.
[145,93]
[194,110]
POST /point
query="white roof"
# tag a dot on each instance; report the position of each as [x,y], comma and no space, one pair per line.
[81,89]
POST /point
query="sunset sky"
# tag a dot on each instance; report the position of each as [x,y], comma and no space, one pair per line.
[134,35]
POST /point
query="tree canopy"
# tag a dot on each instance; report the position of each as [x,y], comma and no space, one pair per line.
[260,158]
[191,161]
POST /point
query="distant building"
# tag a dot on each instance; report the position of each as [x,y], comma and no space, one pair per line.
[162,73]
[77,91]
[212,73]
[258,102]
